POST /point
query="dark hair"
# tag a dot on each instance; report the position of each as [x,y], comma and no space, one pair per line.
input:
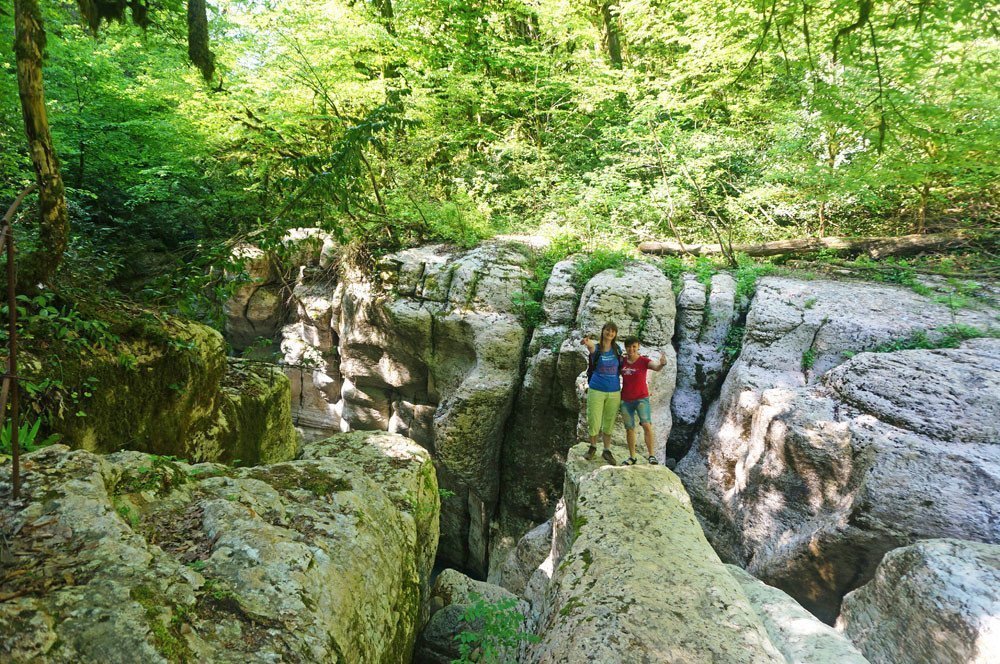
[610,326]
[630,340]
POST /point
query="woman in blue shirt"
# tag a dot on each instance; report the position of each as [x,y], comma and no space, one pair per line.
[604,393]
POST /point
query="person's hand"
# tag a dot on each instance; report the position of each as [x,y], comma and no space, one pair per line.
[663,359]
[585,339]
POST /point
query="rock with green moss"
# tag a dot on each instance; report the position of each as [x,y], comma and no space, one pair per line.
[439,360]
[131,557]
[169,389]
[642,585]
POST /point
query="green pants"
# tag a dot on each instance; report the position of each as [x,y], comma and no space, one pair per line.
[602,408]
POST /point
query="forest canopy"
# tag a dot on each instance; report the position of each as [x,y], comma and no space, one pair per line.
[392,122]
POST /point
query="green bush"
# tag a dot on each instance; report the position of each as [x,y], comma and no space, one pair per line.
[495,631]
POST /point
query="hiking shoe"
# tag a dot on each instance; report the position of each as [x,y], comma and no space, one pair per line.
[629,461]
[609,457]
[652,461]
[591,452]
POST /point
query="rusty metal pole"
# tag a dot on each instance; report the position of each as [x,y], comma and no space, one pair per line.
[10,380]
[15,451]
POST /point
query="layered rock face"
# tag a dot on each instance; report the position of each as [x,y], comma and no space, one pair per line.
[135,558]
[550,410]
[440,362]
[705,316]
[935,601]
[807,484]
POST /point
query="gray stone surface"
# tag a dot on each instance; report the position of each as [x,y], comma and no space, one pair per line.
[935,601]
[808,485]
[705,316]
[800,637]
[439,359]
[643,585]
[130,558]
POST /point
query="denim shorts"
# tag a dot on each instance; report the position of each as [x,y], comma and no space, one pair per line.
[640,406]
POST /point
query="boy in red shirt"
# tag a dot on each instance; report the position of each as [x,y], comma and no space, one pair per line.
[635,397]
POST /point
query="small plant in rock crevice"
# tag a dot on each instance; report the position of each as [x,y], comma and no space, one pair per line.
[495,630]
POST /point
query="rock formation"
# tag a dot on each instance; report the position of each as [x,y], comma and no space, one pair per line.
[129,557]
[935,601]
[807,484]
[642,583]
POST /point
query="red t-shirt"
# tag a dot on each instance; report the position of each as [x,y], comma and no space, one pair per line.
[634,378]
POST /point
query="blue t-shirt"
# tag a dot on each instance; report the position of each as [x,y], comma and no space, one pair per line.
[605,377]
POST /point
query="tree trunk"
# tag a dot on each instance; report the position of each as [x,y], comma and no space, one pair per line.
[822,218]
[198,51]
[388,16]
[925,192]
[877,247]
[611,29]
[53,218]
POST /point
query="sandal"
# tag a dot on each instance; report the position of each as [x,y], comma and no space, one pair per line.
[591,452]
[609,457]
[629,461]
[652,461]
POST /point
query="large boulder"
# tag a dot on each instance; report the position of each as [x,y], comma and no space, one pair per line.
[166,387]
[642,585]
[439,360]
[935,601]
[807,476]
[136,558]
[800,637]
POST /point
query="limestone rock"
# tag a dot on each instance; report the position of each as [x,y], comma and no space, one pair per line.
[176,395]
[808,485]
[256,309]
[312,362]
[646,587]
[515,571]
[136,558]
[705,318]
[454,593]
[800,637]
[934,601]
[440,361]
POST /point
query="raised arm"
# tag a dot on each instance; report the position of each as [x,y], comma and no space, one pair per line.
[656,366]
[589,343]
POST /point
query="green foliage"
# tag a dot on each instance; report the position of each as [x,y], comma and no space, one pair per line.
[748,271]
[808,359]
[27,437]
[495,629]
[732,346]
[596,261]
[948,336]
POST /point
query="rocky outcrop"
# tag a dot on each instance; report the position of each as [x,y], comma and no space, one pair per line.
[255,309]
[136,558]
[935,601]
[643,584]
[800,637]
[167,388]
[550,410]
[807,484]
[453,597]
[309,348]
[705,318]
[440,362]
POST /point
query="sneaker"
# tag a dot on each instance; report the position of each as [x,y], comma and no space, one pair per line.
[652,460]
[591,452]
[629,461]
[609,457]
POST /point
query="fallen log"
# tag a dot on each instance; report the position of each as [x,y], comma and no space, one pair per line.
[876,247]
